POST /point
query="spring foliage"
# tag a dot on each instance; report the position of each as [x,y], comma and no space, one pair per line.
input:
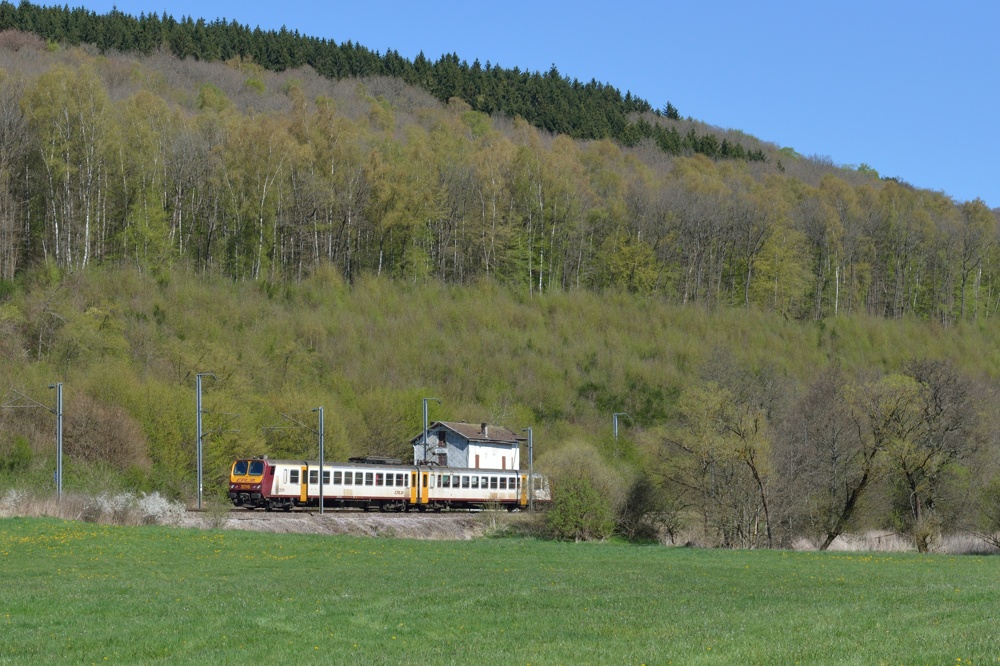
[269,177]
[801,348]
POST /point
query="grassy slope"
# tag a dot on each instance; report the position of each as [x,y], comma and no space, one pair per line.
[369,352]
[78,592]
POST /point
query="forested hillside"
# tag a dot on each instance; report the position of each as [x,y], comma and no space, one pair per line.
[550,101]
[265,176]
[801,348]
[744,428]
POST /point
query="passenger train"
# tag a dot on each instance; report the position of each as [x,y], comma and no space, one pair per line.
[379,484]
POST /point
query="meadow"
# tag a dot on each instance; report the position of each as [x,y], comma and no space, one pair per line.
[83,593]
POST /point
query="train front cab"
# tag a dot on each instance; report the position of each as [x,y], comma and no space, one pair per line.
[248,483]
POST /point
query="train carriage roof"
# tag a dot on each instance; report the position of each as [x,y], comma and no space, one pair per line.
[434,469]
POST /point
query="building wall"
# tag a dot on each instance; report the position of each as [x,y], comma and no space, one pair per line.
[461,453]
[493,457]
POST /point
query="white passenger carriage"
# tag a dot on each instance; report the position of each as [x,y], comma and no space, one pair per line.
[284,484]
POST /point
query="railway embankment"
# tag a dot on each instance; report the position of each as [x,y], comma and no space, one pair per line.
[444,526]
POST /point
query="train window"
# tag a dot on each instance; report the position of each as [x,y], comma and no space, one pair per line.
[293,476]
[493,483]
[475,482]
[348,478]
[314,476]
[368,478]
[446,481]
[378,478]
[240,468]
[503,483]
[485,482]
[256,467]
[400,479]
[465,482]
[388,479]
[326,476]
[338,477]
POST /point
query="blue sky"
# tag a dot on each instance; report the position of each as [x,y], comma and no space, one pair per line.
[909,88]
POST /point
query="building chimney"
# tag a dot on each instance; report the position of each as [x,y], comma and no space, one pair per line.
[486,432]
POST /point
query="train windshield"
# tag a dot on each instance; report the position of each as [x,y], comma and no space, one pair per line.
[244,467]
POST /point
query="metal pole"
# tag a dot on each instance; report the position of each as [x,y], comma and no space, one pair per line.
[59,438]
[197,383]
[425,425]
[200,443]
[321,436]
[531,472]
[615,419]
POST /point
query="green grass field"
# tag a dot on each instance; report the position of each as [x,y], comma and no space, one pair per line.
[84,593]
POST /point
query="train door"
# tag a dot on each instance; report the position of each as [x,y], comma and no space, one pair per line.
[424,477]
[413,487]
[522,497]
[304,487]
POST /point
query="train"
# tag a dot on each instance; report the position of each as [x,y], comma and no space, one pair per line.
[383,484]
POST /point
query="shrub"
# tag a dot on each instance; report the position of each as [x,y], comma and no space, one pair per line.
[593,498]
[12,501]
[127,509]
[989,508]
[580,512]
[158,510]
[97,432]
[17,456]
